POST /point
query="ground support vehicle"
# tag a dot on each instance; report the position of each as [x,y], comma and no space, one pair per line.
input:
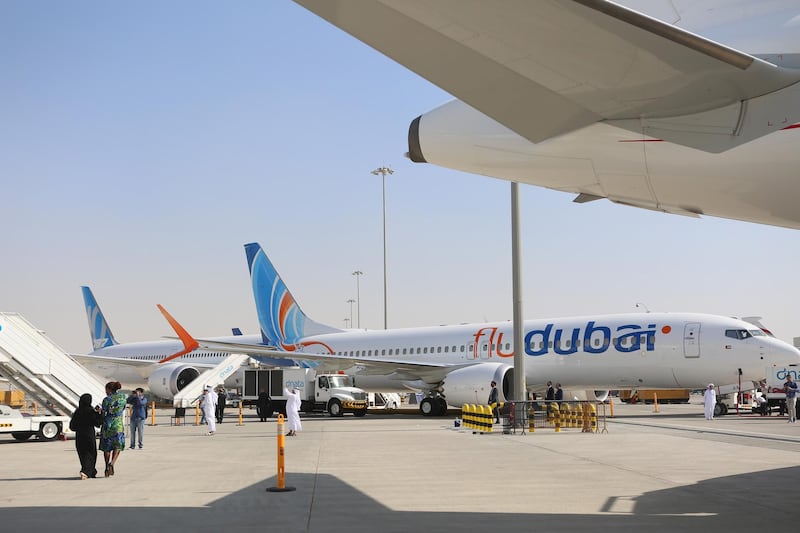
[331,393]
[648,395]
[384,400]
[23,426]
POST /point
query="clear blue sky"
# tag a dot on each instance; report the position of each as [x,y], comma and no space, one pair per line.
[141,145]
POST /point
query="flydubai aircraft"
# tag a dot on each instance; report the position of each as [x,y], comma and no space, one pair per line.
[163,366]
[686,107]
[455,364]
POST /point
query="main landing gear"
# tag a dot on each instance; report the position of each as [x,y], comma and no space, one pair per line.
[433,406]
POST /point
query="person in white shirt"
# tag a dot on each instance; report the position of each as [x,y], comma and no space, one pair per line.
[709,401]
[293,412]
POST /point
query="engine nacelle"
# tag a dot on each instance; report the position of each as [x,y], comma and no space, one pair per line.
[586,395]
[169,378]
[472,384]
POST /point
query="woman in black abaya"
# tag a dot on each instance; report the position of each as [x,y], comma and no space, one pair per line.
[84,421]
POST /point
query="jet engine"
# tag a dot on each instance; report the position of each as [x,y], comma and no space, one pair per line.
[168,379]
[472,384]
[586,395]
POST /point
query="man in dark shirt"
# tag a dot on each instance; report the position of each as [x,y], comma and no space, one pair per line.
[138,404]
[493,399]
[559,393]
[263,405]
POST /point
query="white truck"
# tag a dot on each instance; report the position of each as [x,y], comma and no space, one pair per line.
[776,377]
[23,426]
[331,393]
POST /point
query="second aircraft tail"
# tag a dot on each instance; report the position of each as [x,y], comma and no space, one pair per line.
[98,327]
[282,321]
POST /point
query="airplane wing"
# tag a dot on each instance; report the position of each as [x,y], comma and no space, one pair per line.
[547,67]
[137,363]
[401,369]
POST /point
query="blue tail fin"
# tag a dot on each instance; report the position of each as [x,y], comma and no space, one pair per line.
[282,321]
[98,327]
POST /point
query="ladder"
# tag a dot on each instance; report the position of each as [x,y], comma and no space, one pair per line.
[31,362]
[189,395]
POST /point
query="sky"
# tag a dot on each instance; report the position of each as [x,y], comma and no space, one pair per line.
[142,145]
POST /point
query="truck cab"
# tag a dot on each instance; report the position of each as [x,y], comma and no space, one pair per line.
[337,393]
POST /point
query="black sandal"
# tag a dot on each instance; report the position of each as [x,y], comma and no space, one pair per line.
[110,469]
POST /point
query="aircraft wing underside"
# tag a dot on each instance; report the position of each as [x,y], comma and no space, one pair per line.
[403,370]
[137,363]
[547,67]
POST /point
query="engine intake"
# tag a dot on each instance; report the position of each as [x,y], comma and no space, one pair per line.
[168,379]
[472,384]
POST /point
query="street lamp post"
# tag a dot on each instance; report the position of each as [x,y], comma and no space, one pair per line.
[347,322]
[383,171]
[351,302]
[358,274]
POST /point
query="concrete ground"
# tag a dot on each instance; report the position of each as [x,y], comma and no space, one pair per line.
[665,471]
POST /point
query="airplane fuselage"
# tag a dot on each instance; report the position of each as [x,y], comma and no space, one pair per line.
[657,350]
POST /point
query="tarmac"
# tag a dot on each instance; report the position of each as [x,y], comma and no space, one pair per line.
[664,471]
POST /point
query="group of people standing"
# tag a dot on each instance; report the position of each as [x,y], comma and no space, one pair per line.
[108,416]
[551,395]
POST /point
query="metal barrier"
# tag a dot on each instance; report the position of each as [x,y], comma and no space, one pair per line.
[528,416]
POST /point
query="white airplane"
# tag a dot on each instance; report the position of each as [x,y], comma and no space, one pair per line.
[455,364]
[163,366]
[682,106]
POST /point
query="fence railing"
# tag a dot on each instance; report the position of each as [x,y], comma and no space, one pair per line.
[529,416]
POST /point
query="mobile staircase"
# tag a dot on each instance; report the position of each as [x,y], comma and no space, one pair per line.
[191,393]
[31,362]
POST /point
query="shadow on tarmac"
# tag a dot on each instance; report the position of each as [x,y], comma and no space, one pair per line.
[323,503]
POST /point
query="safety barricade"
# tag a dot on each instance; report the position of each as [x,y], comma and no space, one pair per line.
[477,418]
[529,416]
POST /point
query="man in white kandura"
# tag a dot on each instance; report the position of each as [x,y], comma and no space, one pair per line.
[293,411]
[209,405]
[709,401]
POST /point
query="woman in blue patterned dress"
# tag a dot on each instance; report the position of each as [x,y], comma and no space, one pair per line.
[112,432]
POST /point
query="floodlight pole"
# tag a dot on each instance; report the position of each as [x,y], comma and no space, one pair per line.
[351,302]
[358,274]
[383,171]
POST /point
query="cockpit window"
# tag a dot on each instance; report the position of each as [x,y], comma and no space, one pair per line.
[738,333]
[757,333]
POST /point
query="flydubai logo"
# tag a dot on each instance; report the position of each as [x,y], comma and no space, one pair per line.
[593,338]
[596,339]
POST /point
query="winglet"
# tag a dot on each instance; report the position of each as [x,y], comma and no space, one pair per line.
[189,343]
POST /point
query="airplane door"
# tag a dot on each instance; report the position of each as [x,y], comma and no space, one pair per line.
[484,350]
[691,340]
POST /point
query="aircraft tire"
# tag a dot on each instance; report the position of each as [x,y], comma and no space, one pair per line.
[427,407]
[441,407]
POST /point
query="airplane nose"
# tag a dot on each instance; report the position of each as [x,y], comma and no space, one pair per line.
[787,353]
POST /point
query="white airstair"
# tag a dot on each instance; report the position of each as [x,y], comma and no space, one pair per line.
[33,363]
[189,395]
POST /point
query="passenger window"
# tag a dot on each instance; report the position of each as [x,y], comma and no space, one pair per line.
[438,349]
